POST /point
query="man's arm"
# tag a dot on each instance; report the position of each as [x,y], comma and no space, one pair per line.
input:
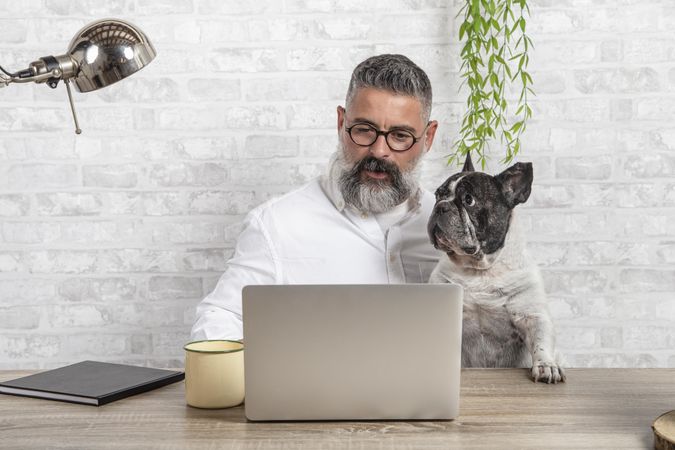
[219,313]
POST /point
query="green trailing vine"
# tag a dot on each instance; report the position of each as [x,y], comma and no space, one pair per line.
[494,55]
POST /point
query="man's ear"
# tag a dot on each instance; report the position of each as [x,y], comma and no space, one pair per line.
[516,183]
[430,133]
[468,164]
[340,117]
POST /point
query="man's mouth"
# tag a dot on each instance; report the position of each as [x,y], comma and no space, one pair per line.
[376,175]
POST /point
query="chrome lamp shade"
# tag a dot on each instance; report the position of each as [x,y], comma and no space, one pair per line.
[100,54]
[107,51]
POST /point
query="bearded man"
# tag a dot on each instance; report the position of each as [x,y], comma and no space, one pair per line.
[362,222]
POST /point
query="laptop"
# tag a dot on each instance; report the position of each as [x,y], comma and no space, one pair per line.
[352,352]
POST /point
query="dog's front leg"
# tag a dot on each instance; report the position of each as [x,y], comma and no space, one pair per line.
[540,340]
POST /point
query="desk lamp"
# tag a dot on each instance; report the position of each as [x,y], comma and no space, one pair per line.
[100,54]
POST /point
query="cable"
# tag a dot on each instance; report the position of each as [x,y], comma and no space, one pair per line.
[7,73]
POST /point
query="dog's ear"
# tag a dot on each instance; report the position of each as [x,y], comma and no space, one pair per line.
[516,183]
[468,165]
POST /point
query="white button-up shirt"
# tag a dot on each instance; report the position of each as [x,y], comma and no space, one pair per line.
[309,236]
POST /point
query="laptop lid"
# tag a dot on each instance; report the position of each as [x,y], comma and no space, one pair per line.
[352,352]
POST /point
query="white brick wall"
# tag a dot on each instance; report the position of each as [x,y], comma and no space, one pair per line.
[109,239]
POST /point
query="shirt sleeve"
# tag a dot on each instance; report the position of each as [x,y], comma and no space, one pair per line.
[219,313]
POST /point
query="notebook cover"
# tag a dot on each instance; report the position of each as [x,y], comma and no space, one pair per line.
[92,380]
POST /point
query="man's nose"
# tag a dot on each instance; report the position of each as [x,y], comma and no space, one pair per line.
[380,148]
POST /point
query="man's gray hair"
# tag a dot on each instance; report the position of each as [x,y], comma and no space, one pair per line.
[394,73]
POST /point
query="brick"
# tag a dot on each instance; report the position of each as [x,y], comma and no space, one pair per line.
[135,149]
[650,166]
[235,7]
[108,118]
[138,260]
[206,148]
[550,51]
[549,82]
[622,360]
[224,31]
[174,288]
[644,225]
[14,31]
[298,88]
[311,116]
[270,146]
[575,281]
[206,260]
[641,50]
[183,174]
[221,202]
[157,7]
[27,291]
[31,233]
[93,7]
[574,253]
[626,19]
[577,337]
[652,337]
[95,344]
[318,146]
[647,280]
[14,205]
[98,233]
[621,109]
[61,261]
[110,176]
[186,233]
[20,317]
[99,290]
[76,316]
[68,204]
[56,31]
[246,60]
[594,195]
[163,203]
[569,224]
[141,90]
[18,347]
[641,195]
[587,168]
[611,51]
[592,81]
[611,337]
[326,58]
[214,89]
[38,176]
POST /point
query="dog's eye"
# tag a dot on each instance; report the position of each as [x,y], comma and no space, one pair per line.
[469,200]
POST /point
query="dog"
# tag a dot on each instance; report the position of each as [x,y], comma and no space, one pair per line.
[506,322]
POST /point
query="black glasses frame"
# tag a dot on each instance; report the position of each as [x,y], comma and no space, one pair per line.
[379,133]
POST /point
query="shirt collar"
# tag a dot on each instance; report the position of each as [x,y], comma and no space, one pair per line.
[330,185]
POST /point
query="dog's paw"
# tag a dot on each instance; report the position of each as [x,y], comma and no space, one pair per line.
[547,372]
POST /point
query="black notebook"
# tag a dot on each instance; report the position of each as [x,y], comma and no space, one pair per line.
[91,382]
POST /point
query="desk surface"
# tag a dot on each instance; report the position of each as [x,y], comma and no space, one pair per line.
[499,408]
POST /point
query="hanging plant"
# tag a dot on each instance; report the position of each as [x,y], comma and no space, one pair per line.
[494,56]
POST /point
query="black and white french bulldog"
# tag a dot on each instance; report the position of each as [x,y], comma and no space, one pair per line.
[506,321]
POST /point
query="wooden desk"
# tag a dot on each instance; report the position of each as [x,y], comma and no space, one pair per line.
[596,408]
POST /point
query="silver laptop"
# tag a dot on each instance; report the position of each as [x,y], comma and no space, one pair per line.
[352,352]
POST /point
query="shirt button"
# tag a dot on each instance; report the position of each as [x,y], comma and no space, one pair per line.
[392,258]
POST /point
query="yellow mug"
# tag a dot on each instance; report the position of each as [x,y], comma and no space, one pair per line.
[214,373]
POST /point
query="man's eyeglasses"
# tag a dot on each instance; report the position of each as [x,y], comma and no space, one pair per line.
[398,139]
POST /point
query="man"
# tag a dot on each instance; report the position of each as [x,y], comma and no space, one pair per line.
[363,222]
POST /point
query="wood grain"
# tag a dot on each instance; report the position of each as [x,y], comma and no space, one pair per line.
[499,408]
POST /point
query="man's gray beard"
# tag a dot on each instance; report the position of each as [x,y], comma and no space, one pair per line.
[375,196]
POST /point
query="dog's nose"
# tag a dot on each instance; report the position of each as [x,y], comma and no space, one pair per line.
[470,250]
[442,207]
